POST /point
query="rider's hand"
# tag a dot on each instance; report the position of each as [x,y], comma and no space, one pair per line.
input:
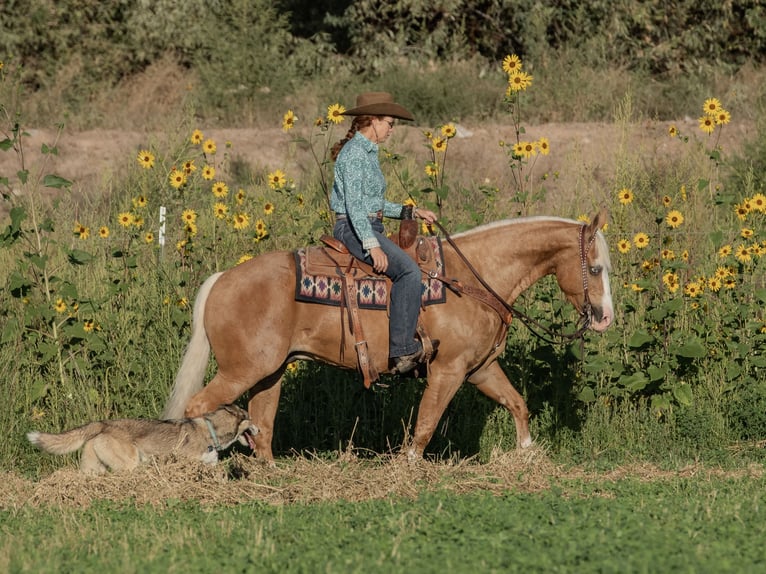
[379,259]
[425,214]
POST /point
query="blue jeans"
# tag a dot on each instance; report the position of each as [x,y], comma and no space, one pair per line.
[405,291]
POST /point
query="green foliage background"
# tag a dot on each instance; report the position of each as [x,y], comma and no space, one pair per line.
[670,377]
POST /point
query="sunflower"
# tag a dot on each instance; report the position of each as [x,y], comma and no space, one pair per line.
[519,81]
[673,131]
[742,254]
[741,210]
[149,237]
[693,289]
[260,228]
[125,219]
[82,231]
[544,146]
[60,305]
[208,173]
[245,257]
[146,159]
[724,251]
[209,146]
[189,167]
[746,232]
[288,121]
[758,202]
[707,124]
[268,208]
[714,284]
[439,144]
[666,201]
[190,228]
[189,216]
[177,178]
[88,325]
[103,232]
[722,117]
[220,210]
[139,202]
[625,196]
[220,189]
[518,150]
[449,131]
[641,240]
[511,64]
[674,218]
[668,254]
[670,280]
[196,137]
[528,149]
[623,245]
[723,272]
[432,170]
[730,283]
[277,179]
[240,197]
[335,113]
[241,220]
[138,221]
[711,106]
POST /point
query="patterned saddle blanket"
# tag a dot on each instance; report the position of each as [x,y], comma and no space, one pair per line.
[372,290]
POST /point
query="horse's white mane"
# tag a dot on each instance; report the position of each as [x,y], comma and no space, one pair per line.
[603,248]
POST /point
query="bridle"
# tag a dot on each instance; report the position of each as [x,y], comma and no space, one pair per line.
[498,303]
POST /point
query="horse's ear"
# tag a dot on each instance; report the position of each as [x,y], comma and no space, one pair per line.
[599,221]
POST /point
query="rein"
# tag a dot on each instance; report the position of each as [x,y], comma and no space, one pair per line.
[216,443]
[507,311]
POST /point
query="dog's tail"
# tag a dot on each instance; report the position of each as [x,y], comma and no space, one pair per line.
[191,375]
[65,442]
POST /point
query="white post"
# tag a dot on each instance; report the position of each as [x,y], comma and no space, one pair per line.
[162,228]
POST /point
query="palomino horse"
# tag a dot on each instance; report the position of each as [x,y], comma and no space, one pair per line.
[249,316]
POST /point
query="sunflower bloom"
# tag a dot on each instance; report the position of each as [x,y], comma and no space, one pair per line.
[189,216]
[276,179]
[758,202]
[742,254]
[60,306]
[528,149]
[714,284]
[432,170]
[449,131]
[693,289]
[177,178]
[189,167]
[149,237]
[240,197]
[220,189]
[146,159]
[103,232]
[670,280]
[544,146]
[673,131]
[641,240]
[196,137]
[707,124]
[741,210]
[711,106]
[439,144]
[88,325]
[220,210]
[674,218]
[519,81]
[81,231]
[288,121]
[125,219]
[666,201]
[208,173]
[268,208]
[209,146]
[746,232]
[724,251]
[668,254]
[245,257]
[722,117]
[241,221]
[623,245]
[260,229]
[518,150]
[511,64]
[625,196]
[335,113]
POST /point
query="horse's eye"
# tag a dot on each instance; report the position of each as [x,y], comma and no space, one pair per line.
[596,270]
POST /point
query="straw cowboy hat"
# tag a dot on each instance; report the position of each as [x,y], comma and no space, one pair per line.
[378,104]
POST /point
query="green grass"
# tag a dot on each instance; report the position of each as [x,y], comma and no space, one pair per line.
[693,524]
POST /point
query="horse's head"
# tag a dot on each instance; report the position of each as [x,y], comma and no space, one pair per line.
[584,279]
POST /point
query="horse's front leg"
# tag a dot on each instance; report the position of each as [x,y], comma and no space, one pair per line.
[264,400]
[441,388]
[491,381]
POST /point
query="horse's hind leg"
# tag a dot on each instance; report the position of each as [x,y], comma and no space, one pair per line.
[492,381]
[221,390]
[262,408]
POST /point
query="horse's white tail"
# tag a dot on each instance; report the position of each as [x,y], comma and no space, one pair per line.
[191,376]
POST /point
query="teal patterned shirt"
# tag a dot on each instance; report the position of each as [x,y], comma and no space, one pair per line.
[359,188]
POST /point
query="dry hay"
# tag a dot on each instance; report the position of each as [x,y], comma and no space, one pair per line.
[307,479]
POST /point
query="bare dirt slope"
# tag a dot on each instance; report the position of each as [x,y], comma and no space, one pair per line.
[580,167]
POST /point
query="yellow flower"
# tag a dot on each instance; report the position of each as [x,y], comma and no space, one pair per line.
[268,208]
[714,284]
[439,144]
[528,149]
[693,289]
[276,179]
[149,237]
[673,131]
[723,272]
[544,146]
[241,220]
[511,64]
[758,202]
[189,167]
[190,228]
[82,231]
[743,254]
[746,232]
[668,254]
[674,218]
[707,124]
[584,218]
[623,245]
[245,257]
[641,240]
[683,192]
[741,210]
[88,325]
[60,306]
[288,121]
[519,81]
[208,173]
[722,117]
[448,131]
[146,159]
[139,202]
[711,106]
[428,135]
[432,170]
[670,280]
[103,232]
[240,197]
[685,255]
[518,150]
[666,201]
[220,189]
[196,137]
[335,113]
[209,146]
[125,219]
[138,221]
[730,283]
[318,122]
[177,178]
[724,251]
[625,195]
[183,302]
[636,287]
[220,210]
[189,216]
